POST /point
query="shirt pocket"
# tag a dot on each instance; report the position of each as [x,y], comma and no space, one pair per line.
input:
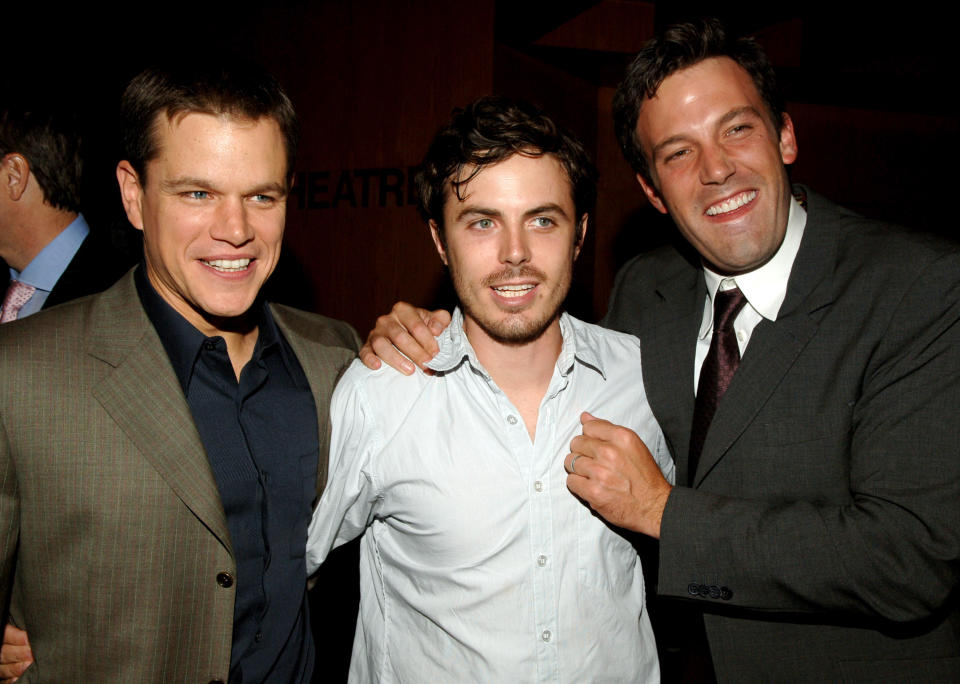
[606,559]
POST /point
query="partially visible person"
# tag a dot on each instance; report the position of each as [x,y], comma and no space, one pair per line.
[50,252]
[477,563]
[804,365]
[162,443]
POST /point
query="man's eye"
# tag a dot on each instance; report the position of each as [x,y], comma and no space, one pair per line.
[543,222]
[262,198]
[197,194]
[674,156]
[485,224]
[741,128]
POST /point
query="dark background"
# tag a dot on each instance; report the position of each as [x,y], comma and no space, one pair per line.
[870,90]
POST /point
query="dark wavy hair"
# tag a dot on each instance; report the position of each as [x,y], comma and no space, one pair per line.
[240,90]
[490,130]
[49,139]
[678,47]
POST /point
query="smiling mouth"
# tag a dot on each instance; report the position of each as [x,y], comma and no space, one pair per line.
[732,204]
[228,265]
[509,291]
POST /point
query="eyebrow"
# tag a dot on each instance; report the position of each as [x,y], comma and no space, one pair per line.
[549,208]
[186,182]
[725,119]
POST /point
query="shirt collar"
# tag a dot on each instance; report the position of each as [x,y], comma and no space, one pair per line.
[766,287]
[455,348]
[182,341]
[47,267]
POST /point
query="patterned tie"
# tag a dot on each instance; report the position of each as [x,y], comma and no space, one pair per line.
[721,363]
[18,294]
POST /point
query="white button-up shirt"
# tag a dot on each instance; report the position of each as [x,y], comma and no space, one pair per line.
[477,563]
[765,289]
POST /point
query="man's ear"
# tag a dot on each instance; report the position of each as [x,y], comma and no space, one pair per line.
[652,194]
[15,175]
[581,236]
[131,193]
[788,141]
[438,241]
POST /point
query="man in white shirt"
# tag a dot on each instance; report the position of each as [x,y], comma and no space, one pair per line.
[815,531]
[477,562]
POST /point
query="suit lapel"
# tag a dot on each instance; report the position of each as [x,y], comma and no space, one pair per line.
[143,396]
[322,366]
[775,346]
[667,345]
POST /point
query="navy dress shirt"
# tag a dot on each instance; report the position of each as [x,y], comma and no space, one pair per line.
[260,435]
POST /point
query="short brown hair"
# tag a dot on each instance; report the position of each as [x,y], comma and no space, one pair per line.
[240,90]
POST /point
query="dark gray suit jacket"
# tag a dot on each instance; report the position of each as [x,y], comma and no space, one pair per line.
[110,518]
[822,534]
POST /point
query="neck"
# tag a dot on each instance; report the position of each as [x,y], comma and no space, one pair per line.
[33,231]
[521,371]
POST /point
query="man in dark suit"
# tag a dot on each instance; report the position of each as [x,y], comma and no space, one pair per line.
[44,239]
[819,533]
[162,443]
[817,536]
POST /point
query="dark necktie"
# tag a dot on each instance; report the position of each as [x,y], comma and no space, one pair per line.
[721,363]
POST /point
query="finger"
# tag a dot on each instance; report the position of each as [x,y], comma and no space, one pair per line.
[14,654]
[14,635]
[437,321]
[420,324]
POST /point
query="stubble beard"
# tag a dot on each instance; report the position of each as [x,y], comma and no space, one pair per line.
[515,330]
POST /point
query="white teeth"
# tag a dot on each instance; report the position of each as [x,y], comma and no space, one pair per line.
[228,265]
[513,290]
[733,203]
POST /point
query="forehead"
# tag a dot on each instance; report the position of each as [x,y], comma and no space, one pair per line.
[517,180]
[696,96]
[218,145]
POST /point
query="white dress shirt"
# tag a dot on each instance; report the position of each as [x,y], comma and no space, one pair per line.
[477,563]
[45,269]
[764,288]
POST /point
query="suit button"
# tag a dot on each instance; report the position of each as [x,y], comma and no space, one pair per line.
[725,593]
[704,590]
[693,589]
[225,579]
[714,591]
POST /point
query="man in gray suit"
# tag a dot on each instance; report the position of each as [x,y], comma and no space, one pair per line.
[160,443]
[818,535]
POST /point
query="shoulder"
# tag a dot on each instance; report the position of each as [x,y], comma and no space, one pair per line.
[385,397]
[615,354]
[61,327]
[316,328]
[604,342]
[662,264]
[877,254]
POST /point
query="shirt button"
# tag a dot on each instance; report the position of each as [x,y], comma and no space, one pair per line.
[209,345]
[538,485]
[225,579]
[258,637]
[541,560]
[740,336]
[546,635]
[512,420]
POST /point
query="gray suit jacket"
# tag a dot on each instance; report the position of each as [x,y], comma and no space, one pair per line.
[110,518]
[822,534]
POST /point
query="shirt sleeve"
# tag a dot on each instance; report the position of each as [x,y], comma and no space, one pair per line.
[350,497]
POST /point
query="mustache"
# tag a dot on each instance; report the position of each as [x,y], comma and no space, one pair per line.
[513,273]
